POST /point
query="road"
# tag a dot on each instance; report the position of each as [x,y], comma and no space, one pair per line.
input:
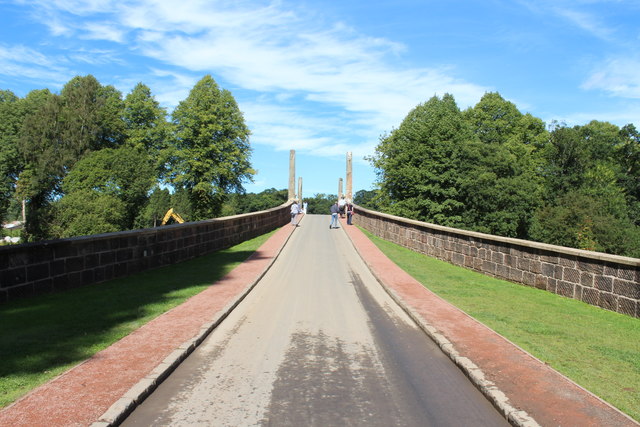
[317,343]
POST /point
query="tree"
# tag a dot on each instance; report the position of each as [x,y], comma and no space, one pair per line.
[124,173]
[43,155]
[502,190]
[239,203]
[581,221]
[212,143]
[86,212]
[628,158]
[56,134]
[12,112]
[155,209]
[320,203]
[421,164]
[146,127]
[367,199]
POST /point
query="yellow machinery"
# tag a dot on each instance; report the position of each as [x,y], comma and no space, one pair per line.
[171,214]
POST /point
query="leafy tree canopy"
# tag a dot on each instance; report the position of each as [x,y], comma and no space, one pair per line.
[213,149]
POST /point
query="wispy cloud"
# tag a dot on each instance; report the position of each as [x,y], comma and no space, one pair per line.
[586,21]
[618,77]
[265,48]
[32,64]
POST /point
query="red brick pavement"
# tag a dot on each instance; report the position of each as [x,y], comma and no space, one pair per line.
[521,386]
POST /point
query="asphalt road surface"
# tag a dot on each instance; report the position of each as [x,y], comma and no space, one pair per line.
[317,343]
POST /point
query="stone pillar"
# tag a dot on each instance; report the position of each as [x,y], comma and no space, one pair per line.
[292,174]
[300,191]
[340,188]
[349,195]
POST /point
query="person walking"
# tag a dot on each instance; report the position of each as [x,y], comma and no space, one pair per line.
[295,210]
[350,212]
[341,205]
[334,216]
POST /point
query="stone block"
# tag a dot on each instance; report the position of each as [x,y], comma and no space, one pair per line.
[74,264]
[590,296]
[627,273]
[541,282]
[568,261]
[607,301]
[571,275]
[587,279]
[604,283]
[13,277]
[548,269]
[535,266]
[515,275]
[566,289]
[38,272]
[489,267]
[628,307]
[502,271]
[589,266]
[523,264]
[529,278]
[626,289]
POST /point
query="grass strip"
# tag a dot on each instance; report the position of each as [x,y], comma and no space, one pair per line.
[596,348]
[42,337]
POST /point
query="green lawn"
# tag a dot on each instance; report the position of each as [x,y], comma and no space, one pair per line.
[41,337]
[598,349]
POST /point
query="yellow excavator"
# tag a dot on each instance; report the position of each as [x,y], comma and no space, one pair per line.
[171,214]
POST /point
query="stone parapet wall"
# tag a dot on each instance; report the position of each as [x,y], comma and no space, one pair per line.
[607,281]
[55,265]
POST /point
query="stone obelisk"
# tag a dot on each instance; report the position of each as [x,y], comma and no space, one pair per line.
[349,195]
[292,174]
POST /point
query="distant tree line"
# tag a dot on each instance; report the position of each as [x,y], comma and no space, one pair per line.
[87,161]
[492,169]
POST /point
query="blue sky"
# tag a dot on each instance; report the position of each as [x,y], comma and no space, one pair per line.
[327,77]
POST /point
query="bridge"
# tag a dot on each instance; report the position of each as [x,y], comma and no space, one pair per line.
[318,328]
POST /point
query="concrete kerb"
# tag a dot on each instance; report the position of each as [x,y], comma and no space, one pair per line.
[124,406]
[514,416]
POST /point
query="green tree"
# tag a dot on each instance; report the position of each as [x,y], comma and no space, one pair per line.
[125,173]
[502,190]
[582,221]
[92,116]
[181,203]
[43,155]
[628,158]
[87,212]
[146,127]
[320,203]
[58,132]
[421,164]
[212,142]
[12,113]
[155,209]
[586,191]
[367,199]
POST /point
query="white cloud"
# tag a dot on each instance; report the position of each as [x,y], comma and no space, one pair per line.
[26,62]
[587,22]
[291,55]
[617,76]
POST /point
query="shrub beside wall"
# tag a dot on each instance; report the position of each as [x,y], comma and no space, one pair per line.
[607,281]
[55,265]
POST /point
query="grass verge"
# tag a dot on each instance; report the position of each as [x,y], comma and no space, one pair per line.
[598,349]
[42,337]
